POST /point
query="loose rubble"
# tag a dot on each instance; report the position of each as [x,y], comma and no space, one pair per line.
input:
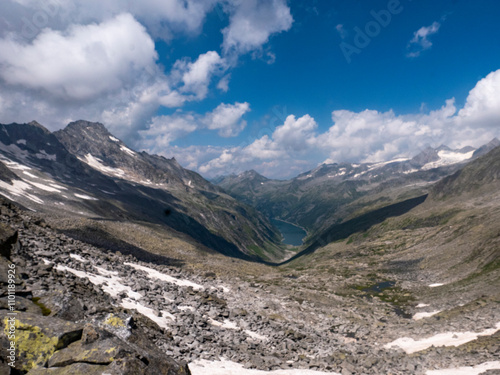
[119,315]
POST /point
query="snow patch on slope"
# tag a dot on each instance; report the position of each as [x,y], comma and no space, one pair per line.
[29,174]
[14,150]
[86,197]
[226,367]
[13,165]
[422,315]
[18,189]
[435,285]
[382,163]
[227,324]
[163,319]
[97,163]
[410,345]
[127,150]
[43,187]
[78,258]
[448,158]
[109,283]
[43,155]
[154,274]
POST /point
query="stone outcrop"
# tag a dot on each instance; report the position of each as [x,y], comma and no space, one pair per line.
[69,328]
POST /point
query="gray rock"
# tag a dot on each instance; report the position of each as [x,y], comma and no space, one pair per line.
[8,239]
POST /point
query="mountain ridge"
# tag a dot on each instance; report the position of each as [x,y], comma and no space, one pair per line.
[328,194]
[60,167]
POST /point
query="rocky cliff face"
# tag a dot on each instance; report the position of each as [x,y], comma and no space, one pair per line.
[84,170]
[94,144]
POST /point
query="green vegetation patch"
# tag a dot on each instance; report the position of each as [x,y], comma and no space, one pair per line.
[388,292]
[45,310]
[434,220]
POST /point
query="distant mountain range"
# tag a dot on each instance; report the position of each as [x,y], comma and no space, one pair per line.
[331,193]
[84,171]
[395,253]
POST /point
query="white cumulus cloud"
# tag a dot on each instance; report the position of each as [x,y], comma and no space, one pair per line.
[163,130]
[483,103]
[296,134]
[196,76]
[366,136]
[420,41]
[226,118]
[252,22]
[83,61]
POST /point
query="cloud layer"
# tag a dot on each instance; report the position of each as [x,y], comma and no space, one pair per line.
[366,136]
[82,62]
[95,59]
[226,119]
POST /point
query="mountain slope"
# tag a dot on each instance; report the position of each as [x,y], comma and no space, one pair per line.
[444,251]
[481,173]
[483,150]
[332,193]
[93,144]
[85,171]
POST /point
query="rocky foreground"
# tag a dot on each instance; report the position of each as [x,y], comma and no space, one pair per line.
[82,310]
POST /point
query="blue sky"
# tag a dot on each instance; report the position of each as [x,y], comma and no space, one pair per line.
[275,86]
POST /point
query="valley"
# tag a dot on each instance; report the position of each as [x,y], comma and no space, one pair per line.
[249,187]
[399,271]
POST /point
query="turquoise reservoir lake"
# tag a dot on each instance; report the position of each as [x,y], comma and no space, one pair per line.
[292,234]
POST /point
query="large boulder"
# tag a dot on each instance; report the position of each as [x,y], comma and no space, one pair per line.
[98,352]
[37,337]
[8,239]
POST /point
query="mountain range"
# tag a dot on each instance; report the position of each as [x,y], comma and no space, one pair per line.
[145,267]
[84,171]
[332,193]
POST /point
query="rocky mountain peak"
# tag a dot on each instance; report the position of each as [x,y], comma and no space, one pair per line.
[84,137]
[252,177]
[252,173]
[426,156]
[38,125]
[494,143]
[81,125]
